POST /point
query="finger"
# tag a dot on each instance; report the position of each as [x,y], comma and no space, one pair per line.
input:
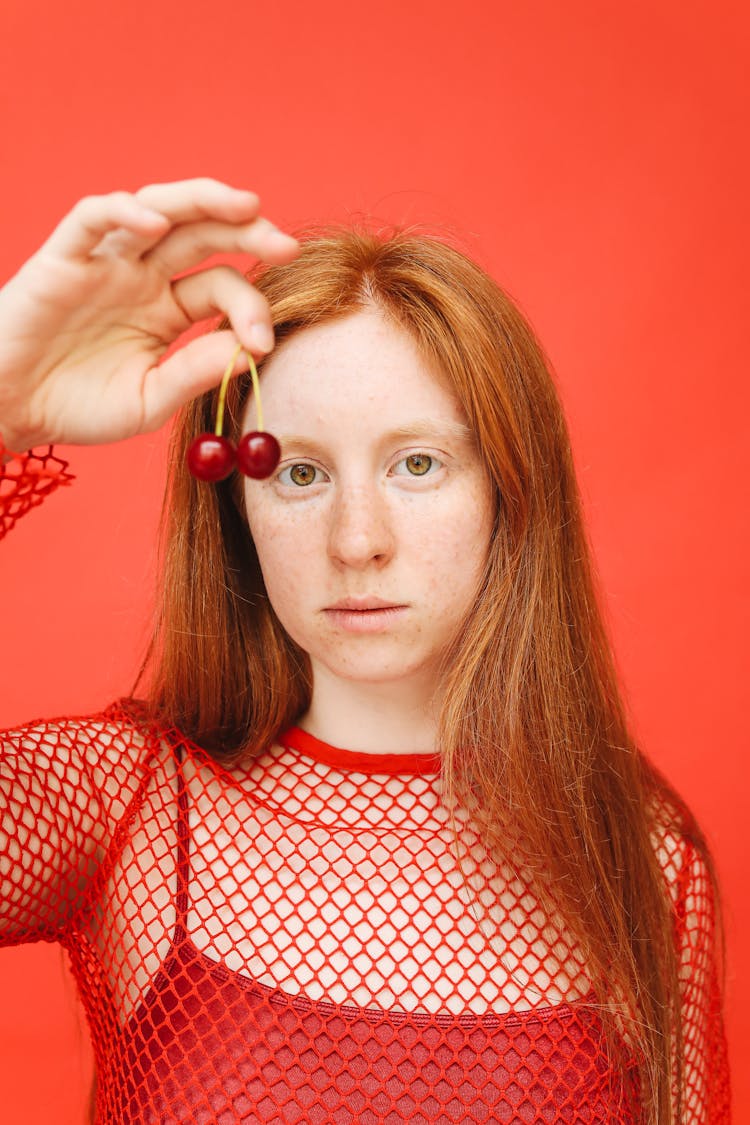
[84,227]
[224,290]
[187,246]
[188,201]
[190,371]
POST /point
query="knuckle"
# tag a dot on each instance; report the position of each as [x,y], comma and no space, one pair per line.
[149,190]
[86,206]
[119,197]
[207,183]
[92,206]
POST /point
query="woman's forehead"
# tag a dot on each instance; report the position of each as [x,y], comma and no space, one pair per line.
[362,362]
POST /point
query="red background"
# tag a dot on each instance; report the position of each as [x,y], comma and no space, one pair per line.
[594,158]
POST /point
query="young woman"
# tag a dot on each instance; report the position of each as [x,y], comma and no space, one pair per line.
[375,844]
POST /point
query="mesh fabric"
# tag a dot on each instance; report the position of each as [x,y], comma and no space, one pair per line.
[25,480]
[294,939]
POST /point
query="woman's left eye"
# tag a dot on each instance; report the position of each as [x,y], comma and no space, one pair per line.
[418,464]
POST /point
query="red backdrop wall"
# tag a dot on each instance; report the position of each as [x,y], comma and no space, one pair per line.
[594,158]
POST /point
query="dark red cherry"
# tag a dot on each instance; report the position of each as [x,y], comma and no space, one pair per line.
[211,457]
[258,454]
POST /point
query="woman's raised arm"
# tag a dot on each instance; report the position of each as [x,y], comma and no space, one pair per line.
[85,326]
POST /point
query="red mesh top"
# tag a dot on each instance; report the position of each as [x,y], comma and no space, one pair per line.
[293,940]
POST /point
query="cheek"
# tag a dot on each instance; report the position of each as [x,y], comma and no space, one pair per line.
[459,533]
[287,548]
[448,553]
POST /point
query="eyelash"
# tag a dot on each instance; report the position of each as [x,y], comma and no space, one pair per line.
[414,476]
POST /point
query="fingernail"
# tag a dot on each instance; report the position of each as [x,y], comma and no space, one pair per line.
[261,338]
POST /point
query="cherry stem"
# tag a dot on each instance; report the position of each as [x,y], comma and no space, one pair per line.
[256,389]
[225,383]
[223,391]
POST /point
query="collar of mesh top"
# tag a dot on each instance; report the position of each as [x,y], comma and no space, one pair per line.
[360,761]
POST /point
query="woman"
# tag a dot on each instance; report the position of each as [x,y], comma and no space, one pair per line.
[376,844]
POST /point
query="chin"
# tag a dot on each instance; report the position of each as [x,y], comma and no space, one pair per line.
[368,669]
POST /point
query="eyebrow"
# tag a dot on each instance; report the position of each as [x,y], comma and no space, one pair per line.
[421,429]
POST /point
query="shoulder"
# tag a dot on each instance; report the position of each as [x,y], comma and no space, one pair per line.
[685,860]
[108,754]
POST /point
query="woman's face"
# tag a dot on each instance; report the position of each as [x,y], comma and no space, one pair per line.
[379,494]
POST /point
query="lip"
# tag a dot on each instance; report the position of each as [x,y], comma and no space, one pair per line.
[371,619]
[364,602]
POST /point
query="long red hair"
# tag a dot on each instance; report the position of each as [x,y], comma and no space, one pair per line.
[533,730]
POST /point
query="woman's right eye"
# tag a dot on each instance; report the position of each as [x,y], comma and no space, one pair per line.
[301,475]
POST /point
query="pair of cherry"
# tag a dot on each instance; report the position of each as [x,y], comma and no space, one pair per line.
[212,457]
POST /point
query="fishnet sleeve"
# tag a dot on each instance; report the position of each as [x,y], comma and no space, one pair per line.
[706,1099]
[50,830]
[47,804]
[67,790]
[26,480]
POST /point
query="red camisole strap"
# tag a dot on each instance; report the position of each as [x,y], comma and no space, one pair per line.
[182,901]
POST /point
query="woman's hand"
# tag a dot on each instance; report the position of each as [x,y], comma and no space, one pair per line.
[86,321]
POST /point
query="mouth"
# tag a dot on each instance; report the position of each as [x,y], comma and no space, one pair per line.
[363,604]
[369,619]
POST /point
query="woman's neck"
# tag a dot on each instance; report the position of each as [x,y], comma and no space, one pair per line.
[377,718]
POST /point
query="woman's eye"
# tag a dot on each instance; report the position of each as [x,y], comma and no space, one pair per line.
[300,475]
[418,464]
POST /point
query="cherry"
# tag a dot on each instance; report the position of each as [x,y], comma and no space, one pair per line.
[258,454]
[211,457]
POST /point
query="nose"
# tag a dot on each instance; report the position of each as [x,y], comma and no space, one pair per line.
[360,530]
